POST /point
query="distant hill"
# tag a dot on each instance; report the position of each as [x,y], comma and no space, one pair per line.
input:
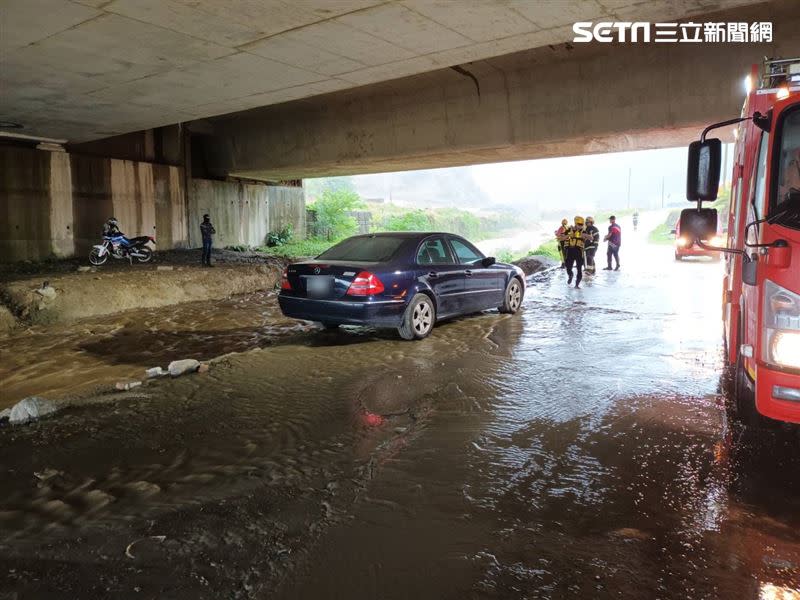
[430,188]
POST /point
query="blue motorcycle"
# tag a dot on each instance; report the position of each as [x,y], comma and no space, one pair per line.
[118,246]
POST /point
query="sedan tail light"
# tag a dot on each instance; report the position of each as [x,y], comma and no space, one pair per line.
[365,284]
[285,285]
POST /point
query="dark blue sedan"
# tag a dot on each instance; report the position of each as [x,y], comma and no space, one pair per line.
[403,281]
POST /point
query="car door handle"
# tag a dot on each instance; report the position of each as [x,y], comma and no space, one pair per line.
[468,273]
[433,275]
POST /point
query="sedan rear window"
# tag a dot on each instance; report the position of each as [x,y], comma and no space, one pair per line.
[364,249]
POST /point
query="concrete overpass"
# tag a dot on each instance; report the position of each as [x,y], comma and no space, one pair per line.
[152,99]
[82,70]
[556,100]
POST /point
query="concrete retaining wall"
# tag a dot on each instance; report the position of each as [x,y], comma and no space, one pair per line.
[54,204]
[244,213]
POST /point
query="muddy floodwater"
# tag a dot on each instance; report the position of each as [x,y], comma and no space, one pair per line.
[578,449]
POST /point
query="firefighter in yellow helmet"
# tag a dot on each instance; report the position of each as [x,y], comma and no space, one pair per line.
[590,248]
[559,234]
[574,239]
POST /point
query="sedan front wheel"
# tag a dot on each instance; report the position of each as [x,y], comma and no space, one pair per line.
[513,298]
[418,319]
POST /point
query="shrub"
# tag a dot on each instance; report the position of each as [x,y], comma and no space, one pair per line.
[415,220]
[331,210]
[281,237]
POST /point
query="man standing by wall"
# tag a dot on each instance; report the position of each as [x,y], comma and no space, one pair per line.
[614,239]
[207,230]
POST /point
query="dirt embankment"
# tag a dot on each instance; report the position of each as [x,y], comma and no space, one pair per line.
[60,297]
[535,264]
[7,320]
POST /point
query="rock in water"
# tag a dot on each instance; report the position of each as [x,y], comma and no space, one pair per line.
[179,367]
[48,292]
[155,372]
[128,385]
[30,409]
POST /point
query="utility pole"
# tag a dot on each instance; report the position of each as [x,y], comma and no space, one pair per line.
[629,187]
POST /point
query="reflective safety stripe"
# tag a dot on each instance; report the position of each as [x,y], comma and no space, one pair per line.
[575,238]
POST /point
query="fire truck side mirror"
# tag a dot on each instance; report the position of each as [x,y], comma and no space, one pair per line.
[702,172]
[698,223]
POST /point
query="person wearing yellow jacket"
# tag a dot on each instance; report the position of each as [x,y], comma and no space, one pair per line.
[574,239]
[559,233]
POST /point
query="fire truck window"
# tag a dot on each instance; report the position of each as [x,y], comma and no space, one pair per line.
[789,159]
[761,176]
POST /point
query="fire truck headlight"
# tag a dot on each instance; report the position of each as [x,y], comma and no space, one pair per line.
[781,342]
[718,241]
[681,242]
[786,349]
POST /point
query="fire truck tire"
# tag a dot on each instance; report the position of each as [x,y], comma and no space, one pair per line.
[744,394]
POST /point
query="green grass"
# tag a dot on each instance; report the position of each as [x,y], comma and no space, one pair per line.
[504,255]
[548,249]
[310,247]
[661,235]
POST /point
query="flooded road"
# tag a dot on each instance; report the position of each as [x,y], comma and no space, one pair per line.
[577,449]
[64,361]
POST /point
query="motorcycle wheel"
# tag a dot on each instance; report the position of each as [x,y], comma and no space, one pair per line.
[145,254]
[96,259]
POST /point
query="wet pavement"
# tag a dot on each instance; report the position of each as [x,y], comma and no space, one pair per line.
[577,449]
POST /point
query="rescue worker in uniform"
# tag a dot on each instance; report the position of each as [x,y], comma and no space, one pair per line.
[574,239]
[614,239]
[591,244]
[559,234]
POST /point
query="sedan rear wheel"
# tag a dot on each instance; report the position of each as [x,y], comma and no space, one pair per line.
[418,319]
[513,297]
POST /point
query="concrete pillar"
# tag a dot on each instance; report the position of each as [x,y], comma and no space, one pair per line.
[62,237]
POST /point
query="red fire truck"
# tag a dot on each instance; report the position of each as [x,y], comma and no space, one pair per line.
[761,287]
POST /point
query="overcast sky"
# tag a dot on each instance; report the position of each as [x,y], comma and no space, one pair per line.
[583,183]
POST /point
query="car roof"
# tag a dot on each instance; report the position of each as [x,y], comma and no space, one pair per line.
[406,234]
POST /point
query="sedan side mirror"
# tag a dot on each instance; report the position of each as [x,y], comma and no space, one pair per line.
[488,261]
